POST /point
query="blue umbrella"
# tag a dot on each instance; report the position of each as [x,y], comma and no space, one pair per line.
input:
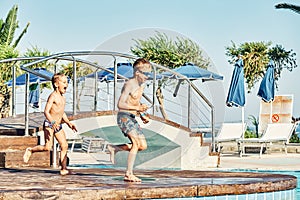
[192,71]
[267,86]
[123,69]
[20,80]
[236,93]
[126,70]
[34,95]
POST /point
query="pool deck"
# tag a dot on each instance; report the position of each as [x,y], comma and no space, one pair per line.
[35,183]
[108,183]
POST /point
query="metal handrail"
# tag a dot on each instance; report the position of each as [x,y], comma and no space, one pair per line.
[71,56]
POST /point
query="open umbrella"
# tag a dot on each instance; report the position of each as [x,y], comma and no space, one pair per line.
[21,80]
[124,69]
[267,86]
[236,93]
[193,72]
[34,88]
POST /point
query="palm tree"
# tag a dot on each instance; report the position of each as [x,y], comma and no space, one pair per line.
[8,28]
[288,6]
[8,50]
[256,56]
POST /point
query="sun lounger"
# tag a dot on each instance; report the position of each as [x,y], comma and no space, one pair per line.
[229,132]
[93,145]
[275,134]
[71,136]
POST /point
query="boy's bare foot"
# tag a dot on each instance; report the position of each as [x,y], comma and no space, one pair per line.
[27,155]
[112,152]
[131,178]
[64,172]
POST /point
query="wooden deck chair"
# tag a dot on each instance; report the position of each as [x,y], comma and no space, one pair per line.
[228,133]
[275,134]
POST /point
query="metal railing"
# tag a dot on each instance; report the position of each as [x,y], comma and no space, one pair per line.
[73,56]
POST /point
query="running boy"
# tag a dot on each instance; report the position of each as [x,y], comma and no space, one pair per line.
[129,107]
[55,114]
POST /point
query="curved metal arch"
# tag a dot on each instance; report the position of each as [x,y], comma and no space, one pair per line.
[71,56]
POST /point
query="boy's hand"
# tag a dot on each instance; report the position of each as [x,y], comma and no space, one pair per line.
[55,127]
[143,107]
[73,127]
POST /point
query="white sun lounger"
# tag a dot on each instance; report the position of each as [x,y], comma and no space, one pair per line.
[228,133]
[94,145]
[275,134]
[71,136]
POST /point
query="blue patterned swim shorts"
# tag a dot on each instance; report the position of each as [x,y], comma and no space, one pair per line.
[127,123]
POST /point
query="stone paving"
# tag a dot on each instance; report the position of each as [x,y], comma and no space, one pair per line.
[273,161]
[37,183]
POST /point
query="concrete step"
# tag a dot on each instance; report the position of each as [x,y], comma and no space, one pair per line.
[17,142]
[12,149]
[14,159]
[18,131]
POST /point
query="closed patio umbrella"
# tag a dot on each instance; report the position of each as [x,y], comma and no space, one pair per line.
[267,86]
[236,93]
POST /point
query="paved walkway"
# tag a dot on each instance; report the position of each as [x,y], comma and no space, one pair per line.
[33,183]
[273,161]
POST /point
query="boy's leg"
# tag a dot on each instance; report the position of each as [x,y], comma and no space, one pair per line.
[135,139]
[48,135]
[113,149]
[61,138]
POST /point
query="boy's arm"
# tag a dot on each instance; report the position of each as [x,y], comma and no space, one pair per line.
[67,121]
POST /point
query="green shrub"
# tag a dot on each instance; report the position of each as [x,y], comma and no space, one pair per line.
[249,134]
[294,139]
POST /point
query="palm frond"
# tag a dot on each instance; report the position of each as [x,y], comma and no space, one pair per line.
[288,6]
[10,25]
[1,25]
[21,35]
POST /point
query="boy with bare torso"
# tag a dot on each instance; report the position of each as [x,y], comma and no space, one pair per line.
[129,107]
[55,114]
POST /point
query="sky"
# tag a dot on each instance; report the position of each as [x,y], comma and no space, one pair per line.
[73,25]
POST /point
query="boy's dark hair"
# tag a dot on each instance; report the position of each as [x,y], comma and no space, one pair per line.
[55,77]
